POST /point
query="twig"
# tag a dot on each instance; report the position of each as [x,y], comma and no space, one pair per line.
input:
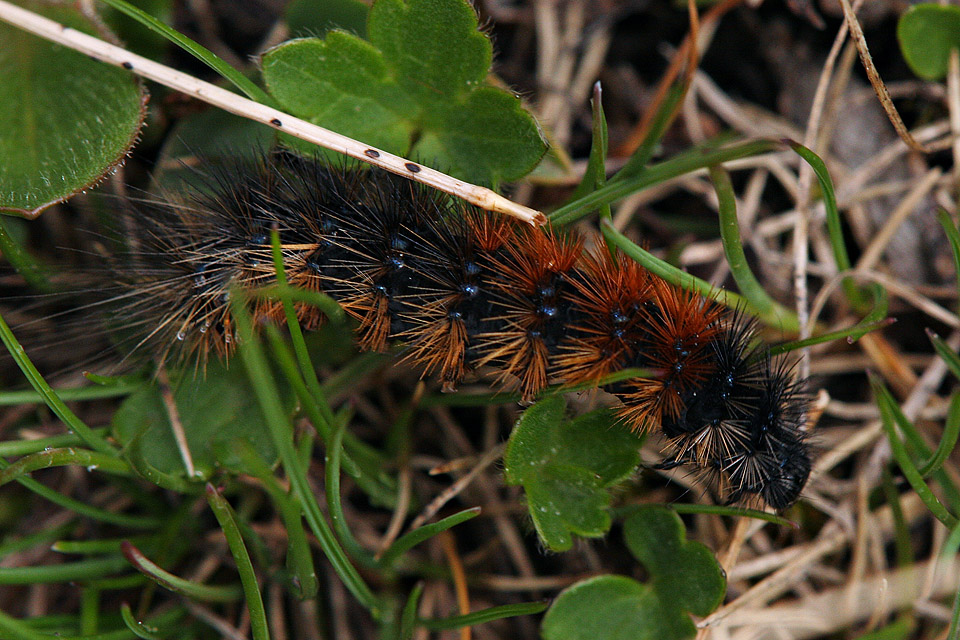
[856,33]
[228,101]
[176,425]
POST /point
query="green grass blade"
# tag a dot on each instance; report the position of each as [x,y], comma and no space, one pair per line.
[138,628]
[661,122]
[281,431]
[69,456]
[299,558]
[248,579]
[948,440]
[738,512]
[901,533]
[25,264]
[852,334]
[339,521]
[49,396]
[750,287]
[421,534]
[487,615]
[25,447]
[176,584]
[953,236]
[948,355]
[79,571]
[657,173]
[834,228]
[910,472]
[82,508]
[781,318]
[408,619]
[16,630]
[595,174]
[313,395]
[12,398]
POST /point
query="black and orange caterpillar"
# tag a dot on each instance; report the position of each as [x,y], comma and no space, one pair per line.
[463,289]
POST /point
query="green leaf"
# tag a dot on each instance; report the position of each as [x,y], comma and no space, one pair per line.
[684,577]
[612,608]
[684,572]
[342,83]
[487,137]
[434,45]
[65,119]
[926,33]
[416,88]
[216,408]
[566,467]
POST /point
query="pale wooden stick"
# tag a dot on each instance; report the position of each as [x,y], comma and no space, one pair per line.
[228,101]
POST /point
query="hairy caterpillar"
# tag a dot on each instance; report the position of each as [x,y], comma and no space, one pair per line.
[463,289]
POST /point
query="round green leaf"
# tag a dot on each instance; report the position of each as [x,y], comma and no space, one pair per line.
[612,608]
[684,577]
[216,408]
[684,573]
[65,119]
[926,33]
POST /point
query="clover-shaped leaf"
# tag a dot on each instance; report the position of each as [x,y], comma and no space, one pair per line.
[684,577]
[685,572]
[65,119]
[926,33]
[216,408]
[416,88]
[566,467]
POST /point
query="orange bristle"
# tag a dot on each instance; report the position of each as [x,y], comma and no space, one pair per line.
[531,281]
[610,293]
[681,326]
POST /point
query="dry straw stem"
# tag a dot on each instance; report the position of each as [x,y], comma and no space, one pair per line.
[831,610]
[228,101]
[856,33]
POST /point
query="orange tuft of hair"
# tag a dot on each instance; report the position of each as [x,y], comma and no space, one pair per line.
[613,293]
[680,328]
[531,283]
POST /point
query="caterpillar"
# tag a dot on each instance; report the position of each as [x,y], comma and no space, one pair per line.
[464,290]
